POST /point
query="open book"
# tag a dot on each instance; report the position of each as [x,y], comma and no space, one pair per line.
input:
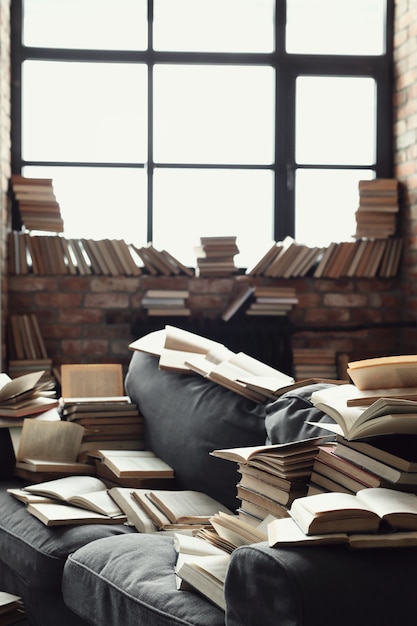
[134,463]
[182,351]
[177,508]
[88,492]
[286,532]
[51,446]
[384,416]
[25,395]
[364,512]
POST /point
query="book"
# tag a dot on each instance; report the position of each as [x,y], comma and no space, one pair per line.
[237,302]
[397,451]
[236,531]
[52,514]
[384,416]
[51,446]
[280,456]
[262,486]
[12,610]
[206,574]
[388,371]
[286,532]
[135,463]
[186,506]
[91,380]
[363,512]
[392,474]
[87,492]
[135,514]
[329,463]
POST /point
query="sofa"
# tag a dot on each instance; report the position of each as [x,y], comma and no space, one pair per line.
[111,575]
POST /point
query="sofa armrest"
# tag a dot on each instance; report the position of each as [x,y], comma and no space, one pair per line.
[319,585]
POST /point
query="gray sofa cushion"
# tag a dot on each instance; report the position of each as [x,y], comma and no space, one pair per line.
[186,417]
[286,416]
[35,552]
[317,585]
[132,581]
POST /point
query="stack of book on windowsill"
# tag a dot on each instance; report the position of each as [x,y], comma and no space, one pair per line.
[215,256]
[166,302]
[35,201]
[376,216]
[271,476]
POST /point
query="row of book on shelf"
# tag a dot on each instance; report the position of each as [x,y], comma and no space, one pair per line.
[56,254]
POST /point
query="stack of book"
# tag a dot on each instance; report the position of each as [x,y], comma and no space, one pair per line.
[160,262]
[24,396]
[215,256]
[92,395]
[372,518]
[376,436]
[36,204]
[166,302]
[378,208]
[272,301]
[271,477]
[314,363]
[132,468]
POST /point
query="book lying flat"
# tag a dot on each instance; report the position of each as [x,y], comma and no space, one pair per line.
[52,514]
[186,506]
[135,463]
[363,512]
[385,415]
[88,492]
[286,532]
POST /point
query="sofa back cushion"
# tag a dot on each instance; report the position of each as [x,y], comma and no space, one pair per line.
[186,417]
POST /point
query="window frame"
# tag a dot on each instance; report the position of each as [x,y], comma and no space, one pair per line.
[288,67]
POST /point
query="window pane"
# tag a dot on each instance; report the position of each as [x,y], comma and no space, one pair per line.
[90,24]
[335,120]
[190,204]
[84,112]
[208,114]
[214,25]
[99,203]
[326,202]
[336,26]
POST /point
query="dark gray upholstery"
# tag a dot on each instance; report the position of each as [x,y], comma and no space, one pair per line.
[131,580]
[186,417]
[321,586]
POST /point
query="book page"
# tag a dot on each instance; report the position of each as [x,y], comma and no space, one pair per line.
[64,488]
[53,440]
[96,380]
[179,339]
[386,501]
[98,501]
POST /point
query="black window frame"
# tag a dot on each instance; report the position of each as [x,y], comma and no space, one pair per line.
[287,68]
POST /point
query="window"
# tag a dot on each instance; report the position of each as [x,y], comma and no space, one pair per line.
[167,120]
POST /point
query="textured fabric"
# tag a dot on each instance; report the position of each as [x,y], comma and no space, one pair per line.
[321,586]
[186,417]
[131,581]
[37,553]
[286,416]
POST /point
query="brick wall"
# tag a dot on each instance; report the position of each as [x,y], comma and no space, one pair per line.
[4,155]
[91,319]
